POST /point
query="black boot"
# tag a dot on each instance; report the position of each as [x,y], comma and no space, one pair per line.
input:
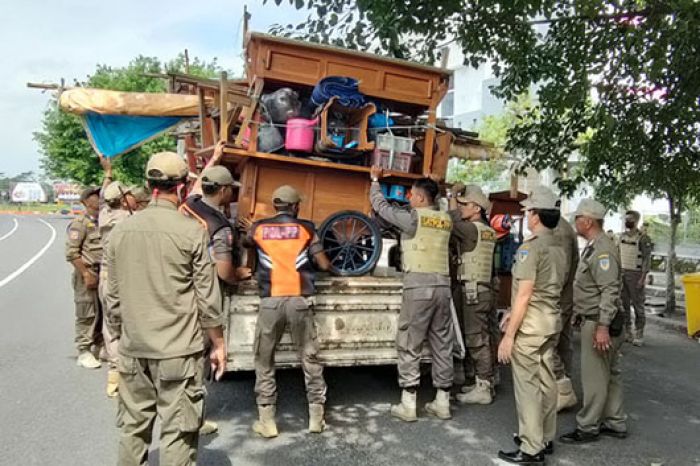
[548,446]
[605,430]
[578,436]
[519,457]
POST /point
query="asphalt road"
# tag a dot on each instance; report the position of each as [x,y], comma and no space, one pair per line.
[54,413]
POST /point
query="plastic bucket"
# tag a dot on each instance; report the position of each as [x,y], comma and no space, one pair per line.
[300,135]
[691,283]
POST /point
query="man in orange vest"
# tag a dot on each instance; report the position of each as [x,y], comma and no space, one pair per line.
[286,246]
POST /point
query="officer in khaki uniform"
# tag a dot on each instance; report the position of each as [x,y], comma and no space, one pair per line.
[212,192]
[286,245]
[84,251]
[635,254]
[116,204]
[564,352]
[597,303]
[425,311]
[532,327]
[161,298]
[476,244]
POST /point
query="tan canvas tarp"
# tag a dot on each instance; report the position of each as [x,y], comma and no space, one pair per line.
[81,100]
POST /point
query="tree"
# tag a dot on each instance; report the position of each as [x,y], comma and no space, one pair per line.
[624,72]
[494,130]
[66,151]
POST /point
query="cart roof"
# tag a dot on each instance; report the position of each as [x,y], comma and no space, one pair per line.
[355,53]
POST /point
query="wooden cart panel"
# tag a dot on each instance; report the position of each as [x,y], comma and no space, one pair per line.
[284,60]
[325,191]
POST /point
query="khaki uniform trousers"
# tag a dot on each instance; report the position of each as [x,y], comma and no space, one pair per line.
[478,337]
[274,316]
[535,390]
[87,313]
[425,313]
[111,343]
[602,384]
[633,294]
[564,351]
[170,389]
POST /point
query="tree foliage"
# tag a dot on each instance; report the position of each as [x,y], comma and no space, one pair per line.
[65,149]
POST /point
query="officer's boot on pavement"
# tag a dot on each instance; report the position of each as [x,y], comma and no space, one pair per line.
[406,410]
[440,406]
[316,421]
[629,337]
[265,426]
[481,395]
[112,383]
[208,427]
[87,360]
[638,337]
[566,397]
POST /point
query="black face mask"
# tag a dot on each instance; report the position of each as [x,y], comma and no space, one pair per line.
[630,224]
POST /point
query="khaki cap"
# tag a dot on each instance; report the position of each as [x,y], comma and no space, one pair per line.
[166,166]
[89,191]
[541,198]
[218,176]
[140,193]
[286,195]
[474,194]
[590,208]
[115,190]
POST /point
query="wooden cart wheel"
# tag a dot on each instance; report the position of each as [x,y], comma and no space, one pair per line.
[352,242]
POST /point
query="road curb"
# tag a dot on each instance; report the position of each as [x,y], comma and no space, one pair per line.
[668,324]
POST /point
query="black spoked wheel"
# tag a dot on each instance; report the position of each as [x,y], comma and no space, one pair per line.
[352,241]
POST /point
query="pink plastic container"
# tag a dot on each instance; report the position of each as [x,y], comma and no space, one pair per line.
[300,135]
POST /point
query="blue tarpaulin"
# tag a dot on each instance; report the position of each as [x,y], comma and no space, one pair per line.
[113,135]
[347,90]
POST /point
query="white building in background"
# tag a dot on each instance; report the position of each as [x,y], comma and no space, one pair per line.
[469,100]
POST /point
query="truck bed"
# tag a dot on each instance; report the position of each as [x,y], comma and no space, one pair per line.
[356,320]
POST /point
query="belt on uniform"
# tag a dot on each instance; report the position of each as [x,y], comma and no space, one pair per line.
[591,318]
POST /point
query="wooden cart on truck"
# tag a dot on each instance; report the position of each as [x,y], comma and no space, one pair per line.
[356,307]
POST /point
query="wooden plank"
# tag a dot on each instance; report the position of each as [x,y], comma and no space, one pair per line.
[223,107]
[257,87]
[429,140]
[202,117]
[317,163]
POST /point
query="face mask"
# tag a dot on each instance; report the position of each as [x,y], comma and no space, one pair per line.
[629,224]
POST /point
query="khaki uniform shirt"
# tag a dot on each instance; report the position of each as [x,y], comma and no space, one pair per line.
[162,287]
[84,241]
[568,239]
[597,283]
[109,217]
[405,220]
[541,259]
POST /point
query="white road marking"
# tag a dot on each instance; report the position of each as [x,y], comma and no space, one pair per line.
[35,258]
[8,234]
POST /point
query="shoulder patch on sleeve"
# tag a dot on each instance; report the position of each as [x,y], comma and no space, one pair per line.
[74,235]
[523,254]
[604,262]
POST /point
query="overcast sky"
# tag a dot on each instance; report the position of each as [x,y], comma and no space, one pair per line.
[44,41]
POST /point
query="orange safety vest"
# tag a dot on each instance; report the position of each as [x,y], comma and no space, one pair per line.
[284,263]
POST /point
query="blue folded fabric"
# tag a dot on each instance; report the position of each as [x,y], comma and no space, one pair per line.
[347,90]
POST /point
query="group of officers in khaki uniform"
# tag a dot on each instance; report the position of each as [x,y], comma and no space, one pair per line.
[166,274]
